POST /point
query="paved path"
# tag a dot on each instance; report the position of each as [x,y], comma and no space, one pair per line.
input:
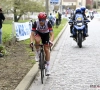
[74,68]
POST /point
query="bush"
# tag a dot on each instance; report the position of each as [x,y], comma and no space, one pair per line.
[3,50]
[6,37]
[1,47]
[94,5]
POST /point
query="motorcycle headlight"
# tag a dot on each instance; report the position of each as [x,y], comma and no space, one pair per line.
[79,24]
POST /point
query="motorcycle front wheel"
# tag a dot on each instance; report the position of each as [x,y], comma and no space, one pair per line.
[79,40]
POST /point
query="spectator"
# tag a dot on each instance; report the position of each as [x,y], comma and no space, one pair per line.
[51,19]
[2,18]
[57,19]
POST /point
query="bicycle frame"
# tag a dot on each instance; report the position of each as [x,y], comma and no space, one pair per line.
[41,60]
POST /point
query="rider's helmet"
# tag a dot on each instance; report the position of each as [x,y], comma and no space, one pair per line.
[83,8]
[42,17]
[78,10]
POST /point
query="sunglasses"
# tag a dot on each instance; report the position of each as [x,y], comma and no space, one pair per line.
[41,20]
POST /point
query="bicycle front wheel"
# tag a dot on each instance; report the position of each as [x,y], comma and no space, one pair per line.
[42,66]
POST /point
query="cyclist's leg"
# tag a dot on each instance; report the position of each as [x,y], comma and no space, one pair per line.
[47,58]
[45,41]
[37,39]
[47,52]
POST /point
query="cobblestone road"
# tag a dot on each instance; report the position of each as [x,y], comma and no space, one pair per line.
[74,68]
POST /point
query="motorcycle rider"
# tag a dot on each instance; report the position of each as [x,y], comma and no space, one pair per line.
[78,11]
[85,18]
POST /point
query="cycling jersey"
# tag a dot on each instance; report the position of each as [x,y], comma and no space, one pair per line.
[47,27]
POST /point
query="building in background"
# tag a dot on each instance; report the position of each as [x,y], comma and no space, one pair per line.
[69,4]
[80,3]
[93,4]
[74,3]
[96,4]
[89,4]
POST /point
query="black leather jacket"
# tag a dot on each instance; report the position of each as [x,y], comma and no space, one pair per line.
[2,18]
[73,18]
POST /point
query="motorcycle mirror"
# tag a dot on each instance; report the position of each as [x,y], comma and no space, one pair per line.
[87,16]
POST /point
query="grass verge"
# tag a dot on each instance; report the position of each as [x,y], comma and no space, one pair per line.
[8,26]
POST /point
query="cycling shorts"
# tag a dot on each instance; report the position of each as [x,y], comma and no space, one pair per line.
[44,37]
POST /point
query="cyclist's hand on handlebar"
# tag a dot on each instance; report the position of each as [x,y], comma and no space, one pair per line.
[31,44]
[51,43]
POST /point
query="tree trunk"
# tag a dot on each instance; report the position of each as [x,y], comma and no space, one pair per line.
[15,15]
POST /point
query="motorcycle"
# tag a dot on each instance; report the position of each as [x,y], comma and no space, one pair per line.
[79,31]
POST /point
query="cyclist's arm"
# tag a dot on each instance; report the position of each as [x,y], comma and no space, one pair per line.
[51,31]
[33,32]
[51,36]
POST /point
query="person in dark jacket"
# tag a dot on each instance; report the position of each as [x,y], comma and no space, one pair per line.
[59,17]
[2,18]
[83,12]
[78,11]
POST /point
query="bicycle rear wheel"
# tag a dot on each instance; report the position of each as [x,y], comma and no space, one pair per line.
[42,66]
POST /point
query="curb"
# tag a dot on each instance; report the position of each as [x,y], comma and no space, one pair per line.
[28,79]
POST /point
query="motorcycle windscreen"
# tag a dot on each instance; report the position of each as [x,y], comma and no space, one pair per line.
[79,28]
[79,18]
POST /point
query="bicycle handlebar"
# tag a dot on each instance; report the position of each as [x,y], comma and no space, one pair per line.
[41,45]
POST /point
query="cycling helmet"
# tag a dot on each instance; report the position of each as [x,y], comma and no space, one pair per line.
[42,15]
[83,8]
[78,10]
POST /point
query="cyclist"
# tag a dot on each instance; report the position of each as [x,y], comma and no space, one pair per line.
[85,18]
[42,31]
